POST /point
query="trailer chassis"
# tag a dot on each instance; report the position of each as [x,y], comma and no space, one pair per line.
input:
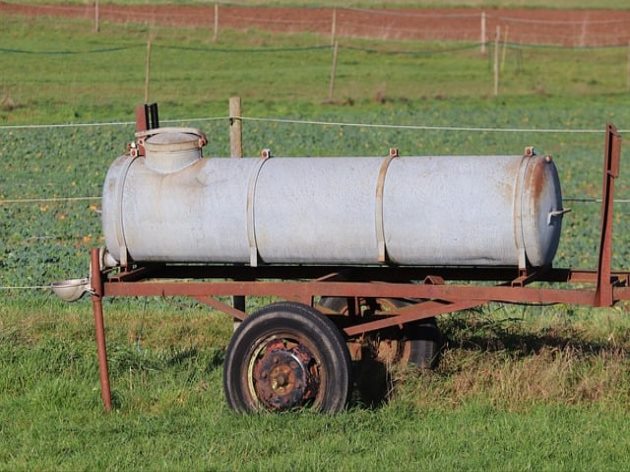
[294,355]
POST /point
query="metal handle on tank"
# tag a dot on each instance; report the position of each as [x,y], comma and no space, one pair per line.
[557,213]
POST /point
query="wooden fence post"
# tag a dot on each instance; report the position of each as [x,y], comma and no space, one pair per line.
[482,39]
[333,30]
[215,35]
[333,72]
[496,61]
[236,151]
[505,40]
[97,26]
[147,71]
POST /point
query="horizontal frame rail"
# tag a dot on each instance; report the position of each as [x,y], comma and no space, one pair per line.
[305,291]
[357,273]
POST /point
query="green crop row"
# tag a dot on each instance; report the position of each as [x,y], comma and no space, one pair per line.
[46,241]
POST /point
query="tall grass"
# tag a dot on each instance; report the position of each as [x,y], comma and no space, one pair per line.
[514,391]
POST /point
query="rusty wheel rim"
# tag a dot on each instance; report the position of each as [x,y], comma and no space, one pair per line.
[283,373]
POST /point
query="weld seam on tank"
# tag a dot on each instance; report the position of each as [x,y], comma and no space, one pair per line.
[251,222]
[380,219]
[120,227]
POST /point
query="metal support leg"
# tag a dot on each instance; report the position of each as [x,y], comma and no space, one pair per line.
[97,308]
[612,151]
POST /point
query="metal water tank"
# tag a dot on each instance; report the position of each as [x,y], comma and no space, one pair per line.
[175,206]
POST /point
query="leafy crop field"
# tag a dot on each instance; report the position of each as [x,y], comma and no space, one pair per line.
[519,388]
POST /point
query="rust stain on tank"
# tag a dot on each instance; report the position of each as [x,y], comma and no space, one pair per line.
[536,179]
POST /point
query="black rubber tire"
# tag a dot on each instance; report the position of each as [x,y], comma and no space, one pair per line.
[295,321]
[422,340]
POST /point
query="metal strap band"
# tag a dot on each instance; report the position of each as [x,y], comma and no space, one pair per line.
[251,228]
[380,226]
[519,236]
[120,230]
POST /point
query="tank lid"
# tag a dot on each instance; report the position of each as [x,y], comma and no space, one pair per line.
[173,139]
[171,149]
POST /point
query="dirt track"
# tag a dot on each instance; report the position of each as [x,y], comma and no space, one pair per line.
[576,28]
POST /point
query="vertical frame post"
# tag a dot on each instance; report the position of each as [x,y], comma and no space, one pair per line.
[142,123]
[147,117]
[99,325]
[612,156]
[142,119]
[154,118]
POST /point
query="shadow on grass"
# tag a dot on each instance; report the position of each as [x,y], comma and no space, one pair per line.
[510,336]
[374,382]
[372,386]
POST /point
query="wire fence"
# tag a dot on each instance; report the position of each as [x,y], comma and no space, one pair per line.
[418,127]
[567,28]
[289,121]
[273,50]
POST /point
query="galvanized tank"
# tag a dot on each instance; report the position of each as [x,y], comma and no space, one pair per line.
[175,206]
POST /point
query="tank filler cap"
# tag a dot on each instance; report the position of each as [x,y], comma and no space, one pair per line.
[171,149]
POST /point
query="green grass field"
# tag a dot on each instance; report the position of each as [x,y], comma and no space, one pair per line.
[519,388]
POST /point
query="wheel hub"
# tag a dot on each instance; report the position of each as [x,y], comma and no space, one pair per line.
[285,376]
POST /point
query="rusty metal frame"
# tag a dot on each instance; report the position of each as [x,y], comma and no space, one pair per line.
[430,291]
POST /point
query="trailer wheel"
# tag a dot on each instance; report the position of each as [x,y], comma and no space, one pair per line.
[418,344]
[287,356]
[422,344]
